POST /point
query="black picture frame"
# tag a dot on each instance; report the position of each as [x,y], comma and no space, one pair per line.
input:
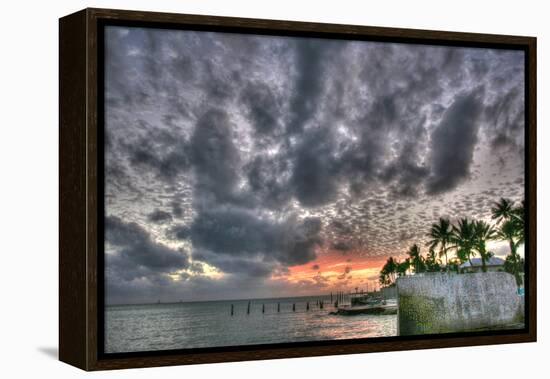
[81,273]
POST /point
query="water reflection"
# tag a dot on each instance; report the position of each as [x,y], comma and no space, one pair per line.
[209,324]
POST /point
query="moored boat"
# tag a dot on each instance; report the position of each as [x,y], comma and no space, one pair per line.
[379,308]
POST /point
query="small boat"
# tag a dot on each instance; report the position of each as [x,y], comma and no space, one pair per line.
[375,308]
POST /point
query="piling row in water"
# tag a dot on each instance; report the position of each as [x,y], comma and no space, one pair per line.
[320,305]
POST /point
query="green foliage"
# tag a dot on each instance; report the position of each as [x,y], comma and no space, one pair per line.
[515,265]
[512,229]
[483,232]
[463,239]
[466,238]
[440,235]
[502,210]
[416,259]
[518,219]
[388,272]
[403,267]
[454,264]
[433,264]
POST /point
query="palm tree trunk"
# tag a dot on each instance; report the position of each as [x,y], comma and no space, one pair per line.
[514,253]
[516,263]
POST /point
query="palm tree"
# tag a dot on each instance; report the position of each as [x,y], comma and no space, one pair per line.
[512,232]
[464,240]
[519,211]
[402,267]
[483,232]
[512,229]
[416,260]
[518,217]
[454,264]
[513,265]
[432,263]
[502,210]
[392,268]
[508,231]
[441,234]
[383,278]
[387,274]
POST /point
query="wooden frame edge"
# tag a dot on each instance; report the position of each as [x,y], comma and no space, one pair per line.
[78,324]
[72,190]
[532,189]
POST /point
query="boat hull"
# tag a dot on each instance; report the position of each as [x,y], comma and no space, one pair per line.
[367,310]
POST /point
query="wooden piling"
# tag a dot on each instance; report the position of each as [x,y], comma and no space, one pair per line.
[307,306]
[321,304]
[263,308]
[278,307]
[248,308]
[231,309]
[293,307]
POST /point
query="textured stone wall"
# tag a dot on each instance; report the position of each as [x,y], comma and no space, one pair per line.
[443,303]
[389,292]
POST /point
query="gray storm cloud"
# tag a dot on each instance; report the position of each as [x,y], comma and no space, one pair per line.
[252,154]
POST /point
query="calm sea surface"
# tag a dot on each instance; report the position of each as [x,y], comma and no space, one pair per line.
[207,324]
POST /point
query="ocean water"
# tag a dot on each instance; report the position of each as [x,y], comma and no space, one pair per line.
[131,328]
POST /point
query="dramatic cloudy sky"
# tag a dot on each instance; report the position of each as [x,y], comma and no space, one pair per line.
[254,166]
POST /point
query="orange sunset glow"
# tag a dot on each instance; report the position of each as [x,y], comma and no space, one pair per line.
[334,273]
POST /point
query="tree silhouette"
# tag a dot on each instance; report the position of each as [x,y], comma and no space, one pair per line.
[483,232]
[464,240]
[416,259]
[441,234]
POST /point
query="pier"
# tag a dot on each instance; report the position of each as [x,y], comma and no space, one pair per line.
[329,303]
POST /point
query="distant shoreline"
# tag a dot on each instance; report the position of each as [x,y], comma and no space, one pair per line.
[223,300]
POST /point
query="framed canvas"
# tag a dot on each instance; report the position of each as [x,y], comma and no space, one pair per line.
[239,189]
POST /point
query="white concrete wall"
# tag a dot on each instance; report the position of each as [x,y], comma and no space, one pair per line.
[441,303]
